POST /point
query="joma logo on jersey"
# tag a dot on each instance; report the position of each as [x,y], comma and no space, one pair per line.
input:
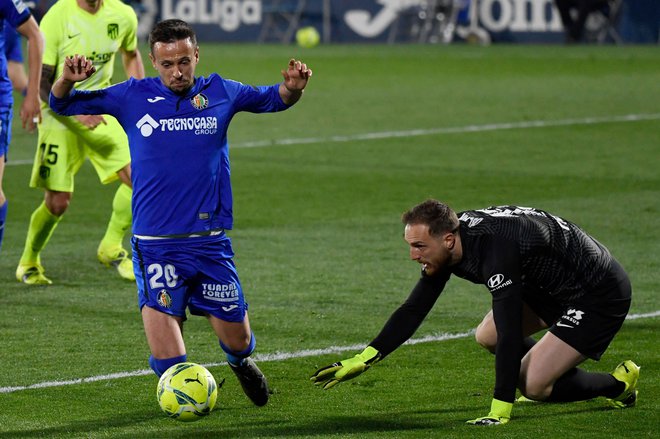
[113,31]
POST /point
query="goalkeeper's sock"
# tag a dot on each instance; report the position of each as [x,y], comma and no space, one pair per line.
[3,218]
[120,220]
[159,366]
[579,385]
[42,225]
[238,358]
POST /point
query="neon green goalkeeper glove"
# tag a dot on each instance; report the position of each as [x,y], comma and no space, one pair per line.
[332,375]
[500,413]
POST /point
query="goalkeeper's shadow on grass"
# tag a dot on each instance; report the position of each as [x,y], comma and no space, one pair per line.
[333,425]
[540,409]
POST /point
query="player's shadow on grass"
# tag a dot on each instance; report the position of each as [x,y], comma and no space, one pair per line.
[332,425]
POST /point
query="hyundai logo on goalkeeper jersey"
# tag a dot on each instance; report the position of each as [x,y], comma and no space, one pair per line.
[198,125]
[496,281]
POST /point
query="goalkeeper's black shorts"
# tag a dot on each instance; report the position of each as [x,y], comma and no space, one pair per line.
[590,322]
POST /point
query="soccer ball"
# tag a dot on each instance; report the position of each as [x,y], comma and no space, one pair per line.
[307,37]
[187,392]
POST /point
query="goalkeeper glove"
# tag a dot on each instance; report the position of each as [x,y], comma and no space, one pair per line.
[332,375]
[500,413]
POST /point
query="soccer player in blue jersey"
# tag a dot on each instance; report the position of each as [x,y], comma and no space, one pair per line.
[16,14]
[182,200]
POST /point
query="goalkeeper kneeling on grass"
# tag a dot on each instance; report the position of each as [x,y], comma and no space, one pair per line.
[542,272]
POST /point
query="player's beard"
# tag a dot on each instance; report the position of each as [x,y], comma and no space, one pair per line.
[181,87]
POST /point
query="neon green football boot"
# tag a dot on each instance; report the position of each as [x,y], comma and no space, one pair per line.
[116,257]
[32,274]
[628,373]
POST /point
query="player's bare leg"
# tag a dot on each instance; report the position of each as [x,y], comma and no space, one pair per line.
[549,359]
[165,338]
[548,373]
[486,333]
[164,333]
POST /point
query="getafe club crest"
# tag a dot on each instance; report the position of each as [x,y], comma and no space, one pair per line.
[113,31]
[164,299]
[200,101]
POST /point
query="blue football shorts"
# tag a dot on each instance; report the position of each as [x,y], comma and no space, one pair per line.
[5,131]
[195,273]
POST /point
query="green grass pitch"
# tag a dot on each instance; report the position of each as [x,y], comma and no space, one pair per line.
[318,194]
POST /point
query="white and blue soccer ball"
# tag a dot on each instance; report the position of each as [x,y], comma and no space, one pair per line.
[187,392]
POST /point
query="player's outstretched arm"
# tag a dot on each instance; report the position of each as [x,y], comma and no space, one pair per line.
[76,68]
[295,77]
[334,374]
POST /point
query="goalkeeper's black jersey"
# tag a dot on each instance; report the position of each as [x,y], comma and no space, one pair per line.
[556,257]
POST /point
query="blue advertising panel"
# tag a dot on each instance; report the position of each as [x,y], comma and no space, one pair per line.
[392,21]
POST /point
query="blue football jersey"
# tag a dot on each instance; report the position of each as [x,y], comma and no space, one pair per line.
[179,150]
[12,13]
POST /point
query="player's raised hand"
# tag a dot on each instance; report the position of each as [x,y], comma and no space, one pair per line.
[77,68]
[332,375]
[296,75]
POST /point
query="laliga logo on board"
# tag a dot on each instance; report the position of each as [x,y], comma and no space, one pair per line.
[228,14]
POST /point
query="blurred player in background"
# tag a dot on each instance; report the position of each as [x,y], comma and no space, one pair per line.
[182,200]
[574,14]
[15,13]
[99,29]
[542,271]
